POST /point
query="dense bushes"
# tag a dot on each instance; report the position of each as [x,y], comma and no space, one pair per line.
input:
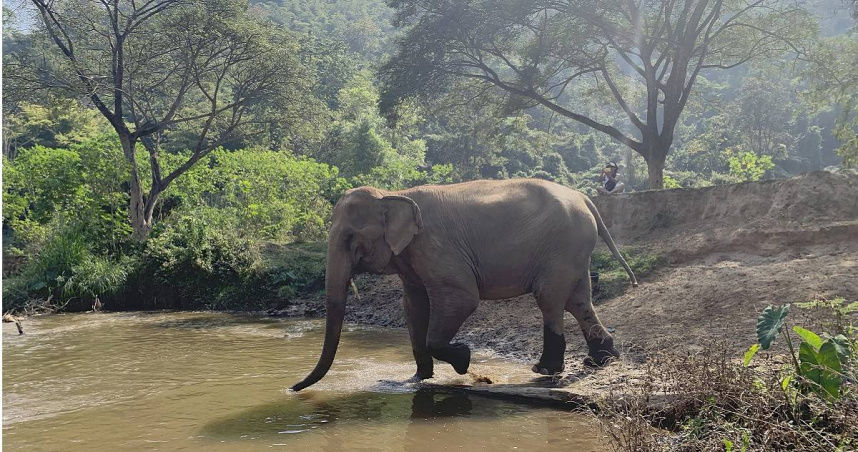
[66,210]
[262,194]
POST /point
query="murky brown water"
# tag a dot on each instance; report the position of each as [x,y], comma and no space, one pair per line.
[208,381]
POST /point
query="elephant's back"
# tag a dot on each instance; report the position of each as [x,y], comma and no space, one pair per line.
[524,214]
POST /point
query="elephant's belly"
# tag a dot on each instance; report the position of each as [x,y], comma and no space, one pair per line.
[507,285]
[498,293]
[500,276]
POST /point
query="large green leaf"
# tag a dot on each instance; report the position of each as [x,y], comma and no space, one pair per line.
[841,344]
[808,336]
[769,324]
[822,368]
[832,370]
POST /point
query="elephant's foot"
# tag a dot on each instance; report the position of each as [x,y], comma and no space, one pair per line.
[549,370]
[416,378]
[553,352]
[458,355]
[425,366]
[601,353]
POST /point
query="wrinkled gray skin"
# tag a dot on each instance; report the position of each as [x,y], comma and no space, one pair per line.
[453,245]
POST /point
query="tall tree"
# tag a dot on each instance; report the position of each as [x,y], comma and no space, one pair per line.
[201,72]
[644,56]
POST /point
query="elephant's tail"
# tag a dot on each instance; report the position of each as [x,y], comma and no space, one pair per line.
[606,236]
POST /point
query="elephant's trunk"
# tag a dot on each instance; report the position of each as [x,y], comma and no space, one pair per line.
[337,278]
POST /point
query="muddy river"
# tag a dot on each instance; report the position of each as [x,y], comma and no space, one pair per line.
[209,381]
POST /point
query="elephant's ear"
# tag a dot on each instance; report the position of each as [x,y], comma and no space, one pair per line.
[402,221]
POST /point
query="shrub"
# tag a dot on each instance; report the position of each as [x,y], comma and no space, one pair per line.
[613,279]
[820,364]
[291,270]
[748,166]
[670,182]
[45,188]
[98,277]
[44,277]
[206,266]
[267,195]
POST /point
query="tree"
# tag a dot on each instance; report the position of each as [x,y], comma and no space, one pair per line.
[833,77]
[201,72]
[644,56]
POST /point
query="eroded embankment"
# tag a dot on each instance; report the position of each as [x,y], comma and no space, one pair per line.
[729,251]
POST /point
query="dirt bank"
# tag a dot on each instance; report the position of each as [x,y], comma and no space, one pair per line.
[730,251]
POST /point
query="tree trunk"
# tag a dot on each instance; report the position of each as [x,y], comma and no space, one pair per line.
[654,151]
[655,170]
[631,174]
[141,218]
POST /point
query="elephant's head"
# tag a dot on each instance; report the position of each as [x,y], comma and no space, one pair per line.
[368,228]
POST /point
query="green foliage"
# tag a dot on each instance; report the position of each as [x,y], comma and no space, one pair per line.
[204,246]
[293,269]
[98,277]
[821,367]
[265,195]
[45,187]
[545,56]
[808,336]
[670,182]
[46,274]
[61,122]
[834,81]
[57,260]
[362,26]
[748,166]
[613,279]
[42,181]
[846,132]
[365,147]
[820,361]
[206,265]
[770,323]
[749,355]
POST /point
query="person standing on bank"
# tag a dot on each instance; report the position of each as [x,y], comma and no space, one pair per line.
[610,183]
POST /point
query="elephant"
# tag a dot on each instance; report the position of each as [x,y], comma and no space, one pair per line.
[453,245]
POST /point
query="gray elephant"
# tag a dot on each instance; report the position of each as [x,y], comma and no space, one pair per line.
[453,245]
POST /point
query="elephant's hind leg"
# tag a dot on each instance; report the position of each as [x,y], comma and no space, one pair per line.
[449,308]
[416,303]
[599,342]
[551,300]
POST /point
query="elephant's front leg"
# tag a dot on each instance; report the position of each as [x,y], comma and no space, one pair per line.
[417,317]
[450,307]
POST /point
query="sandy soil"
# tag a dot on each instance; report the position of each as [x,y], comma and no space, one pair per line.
[731,251]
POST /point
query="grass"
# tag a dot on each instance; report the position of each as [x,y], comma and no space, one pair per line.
[613,279]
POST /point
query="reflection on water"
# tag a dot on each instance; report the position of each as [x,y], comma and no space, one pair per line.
[307,411]
[196,381]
